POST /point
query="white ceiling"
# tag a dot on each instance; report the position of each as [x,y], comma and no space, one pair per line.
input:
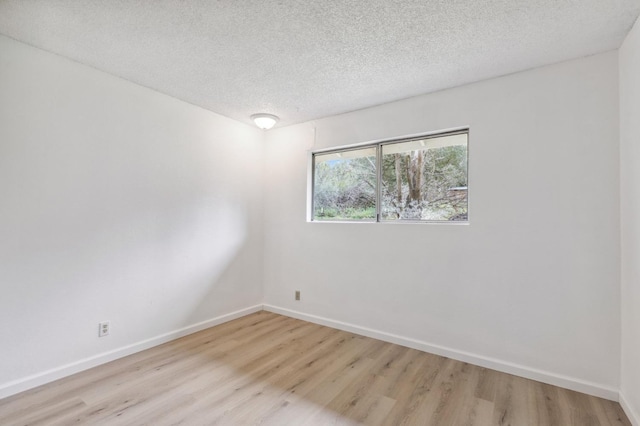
[302,59]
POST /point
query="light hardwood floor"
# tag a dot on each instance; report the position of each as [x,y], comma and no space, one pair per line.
[273,370]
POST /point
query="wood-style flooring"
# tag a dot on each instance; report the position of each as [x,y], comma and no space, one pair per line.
[269,369]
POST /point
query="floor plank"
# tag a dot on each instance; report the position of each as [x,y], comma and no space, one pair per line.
[269,369]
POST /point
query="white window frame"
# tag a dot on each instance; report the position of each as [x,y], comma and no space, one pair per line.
[378,145]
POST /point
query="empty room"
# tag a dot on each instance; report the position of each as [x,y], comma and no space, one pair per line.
[412,212]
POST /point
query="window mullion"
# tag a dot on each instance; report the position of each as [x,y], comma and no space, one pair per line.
[378,182]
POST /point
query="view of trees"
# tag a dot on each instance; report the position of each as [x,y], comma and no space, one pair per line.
[418,183]
[345,188]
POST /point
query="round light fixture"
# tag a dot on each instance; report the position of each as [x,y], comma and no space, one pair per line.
[264,121]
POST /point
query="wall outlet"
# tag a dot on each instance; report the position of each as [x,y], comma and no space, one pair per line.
[297,294]
[104,328]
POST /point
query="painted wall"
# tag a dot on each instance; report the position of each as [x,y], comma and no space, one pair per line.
[630,212]
[531,284]
[122,204]
[116,203]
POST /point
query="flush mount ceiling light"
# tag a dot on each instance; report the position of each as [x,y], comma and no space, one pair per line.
[264,121]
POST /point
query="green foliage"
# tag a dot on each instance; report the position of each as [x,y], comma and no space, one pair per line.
[345,189]
[425,184]
[438,195]
[346,214]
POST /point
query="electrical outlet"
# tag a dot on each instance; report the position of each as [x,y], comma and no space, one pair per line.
[104,328]
[297,294]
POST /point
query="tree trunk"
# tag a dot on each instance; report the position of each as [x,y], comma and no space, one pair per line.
[415,163]
[398,179]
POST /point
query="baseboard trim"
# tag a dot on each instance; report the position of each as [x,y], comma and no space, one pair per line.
[578,385]
[633,416]
[29,382]
[26,383]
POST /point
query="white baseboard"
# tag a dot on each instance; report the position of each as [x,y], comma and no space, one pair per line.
[20,385]
[562,381]
[633,416]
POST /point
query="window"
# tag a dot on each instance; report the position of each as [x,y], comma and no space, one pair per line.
[419,179]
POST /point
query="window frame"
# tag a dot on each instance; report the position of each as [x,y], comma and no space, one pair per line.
[378,144]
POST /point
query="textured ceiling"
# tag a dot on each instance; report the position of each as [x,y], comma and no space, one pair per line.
[302,59]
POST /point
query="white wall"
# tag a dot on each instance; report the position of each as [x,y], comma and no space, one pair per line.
[531,285]
[630,213]
[116,203]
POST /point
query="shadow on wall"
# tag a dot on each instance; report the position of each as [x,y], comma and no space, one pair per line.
[194,264]
[165,268]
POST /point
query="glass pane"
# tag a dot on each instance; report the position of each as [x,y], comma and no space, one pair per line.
[425,179]
[344,185]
